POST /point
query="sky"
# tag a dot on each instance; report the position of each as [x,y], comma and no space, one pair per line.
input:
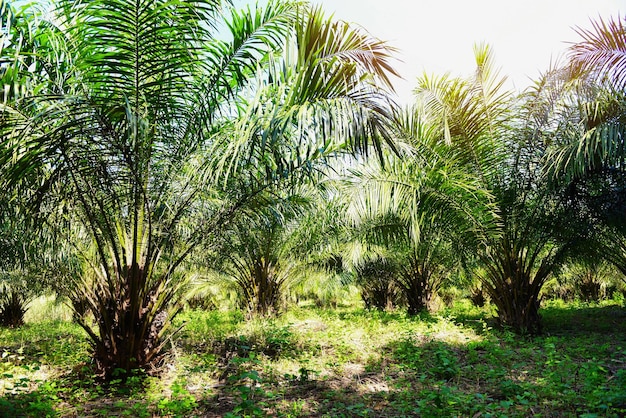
[437,36]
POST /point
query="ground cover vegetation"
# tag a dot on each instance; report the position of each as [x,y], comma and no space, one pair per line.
[213,195]
[346,361]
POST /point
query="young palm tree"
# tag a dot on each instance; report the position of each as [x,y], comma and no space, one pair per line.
[258,257]
[518,251]
[152,140]
[424,269]
[21,273]
[417,207]
[376,279]
[587,156]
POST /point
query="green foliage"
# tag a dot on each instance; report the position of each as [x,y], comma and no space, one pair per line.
[258,258]
[343,362]
[376,279]
[586,280]
[586,152]
[13,305]
[180,404]
[31,404]
[137,145]
[600,52]
[139,135]
[434,358]
[247,385]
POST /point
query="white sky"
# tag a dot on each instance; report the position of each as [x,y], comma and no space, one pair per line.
[437,36]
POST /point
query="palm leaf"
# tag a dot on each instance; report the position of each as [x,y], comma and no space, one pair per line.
[602,51]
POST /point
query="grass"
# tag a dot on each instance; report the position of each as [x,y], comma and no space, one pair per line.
[345,362]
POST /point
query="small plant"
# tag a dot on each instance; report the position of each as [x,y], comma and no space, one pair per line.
[28,404]
[408,354]
[278,340]
[126,383]
[137,410]
[433,358]
[180,403]
[304,375]
[510,389]
[446,365]
[296,410]
[246,385]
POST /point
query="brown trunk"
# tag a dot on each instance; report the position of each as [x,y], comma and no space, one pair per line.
[518,309]
[516,271]
[378,288]
[266,289]
[130,323]
[419,284]
[515,292]
[12,310]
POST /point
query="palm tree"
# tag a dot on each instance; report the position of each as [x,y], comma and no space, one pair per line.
[587,156]
[20,270]
[416,208]
[602,51]
[521,259]
[258,256]
[424,269]
[376,279]
[157,137]
[517,249]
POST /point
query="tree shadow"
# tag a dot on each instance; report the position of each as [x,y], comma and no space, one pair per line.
[28,404]
[570,320]
[385,317]
[584,320]
[415,377]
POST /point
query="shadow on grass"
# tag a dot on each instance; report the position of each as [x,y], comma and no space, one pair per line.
[559,374]
[400,393]
[557,319]
[385,317]
[28,404]
[414,377]
[583,319]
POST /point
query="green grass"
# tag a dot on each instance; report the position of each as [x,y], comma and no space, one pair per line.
[345,362]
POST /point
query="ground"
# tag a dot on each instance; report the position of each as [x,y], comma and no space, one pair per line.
[344,362]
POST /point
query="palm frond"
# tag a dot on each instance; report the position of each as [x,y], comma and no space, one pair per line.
[311,107]
[602,51]
[471,113]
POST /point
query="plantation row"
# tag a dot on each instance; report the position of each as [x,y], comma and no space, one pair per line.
[170,152]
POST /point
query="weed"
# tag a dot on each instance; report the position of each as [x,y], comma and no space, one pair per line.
[29,404]
[337,363]
[246,385]
[180,403]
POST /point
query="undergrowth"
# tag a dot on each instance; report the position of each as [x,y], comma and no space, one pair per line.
[346,362]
